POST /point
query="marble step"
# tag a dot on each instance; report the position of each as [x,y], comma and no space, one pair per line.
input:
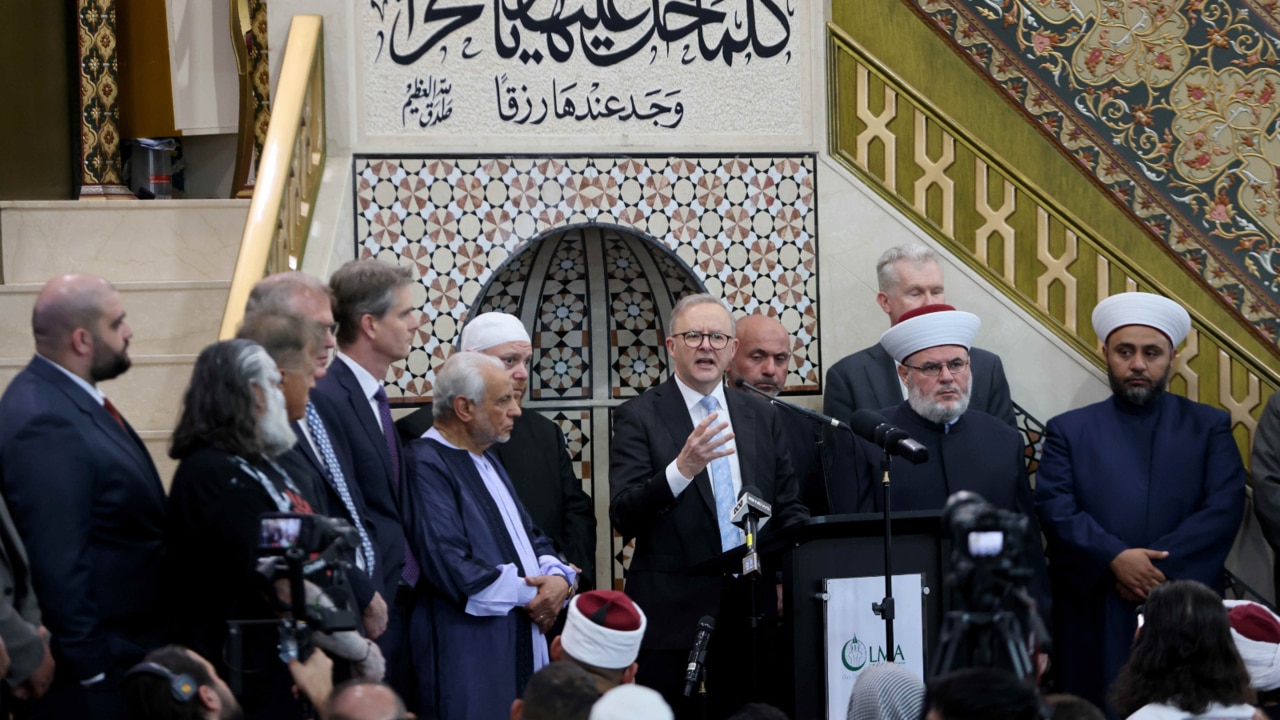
[123,241]
[168,318]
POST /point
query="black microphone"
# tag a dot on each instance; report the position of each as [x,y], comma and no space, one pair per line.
[748,512]
[698,655]
[811,414]
[873,427]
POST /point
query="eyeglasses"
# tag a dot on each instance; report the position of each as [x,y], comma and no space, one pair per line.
[933,369]
[332,328]
[693,339]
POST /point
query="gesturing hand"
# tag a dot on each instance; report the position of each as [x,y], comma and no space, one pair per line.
[703,446]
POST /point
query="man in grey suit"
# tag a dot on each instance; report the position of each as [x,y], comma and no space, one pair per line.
[26,653]
[909,276]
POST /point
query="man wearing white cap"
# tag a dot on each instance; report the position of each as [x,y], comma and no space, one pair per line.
[602,636]
[536,456]
[968,449]
[1140,488]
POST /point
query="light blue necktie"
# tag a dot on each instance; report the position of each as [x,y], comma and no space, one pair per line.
[331,465]
[722,487]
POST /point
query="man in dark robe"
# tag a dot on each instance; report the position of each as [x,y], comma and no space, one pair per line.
[492,583]
[763,357]
[1132,491]
[968,449]
[536,457]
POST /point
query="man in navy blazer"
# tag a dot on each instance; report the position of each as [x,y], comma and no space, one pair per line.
[373,305]
[85,497]
[909,276]
[306,296]
[681,454]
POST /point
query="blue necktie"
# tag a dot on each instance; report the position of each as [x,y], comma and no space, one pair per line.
[332,467]
[722,486]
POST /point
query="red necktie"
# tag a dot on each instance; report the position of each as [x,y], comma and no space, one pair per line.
[106,403]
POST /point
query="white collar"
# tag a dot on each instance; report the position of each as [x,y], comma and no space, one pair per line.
[693,397]
[368,383]
[93,391]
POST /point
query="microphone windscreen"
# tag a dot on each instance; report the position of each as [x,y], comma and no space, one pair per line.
[864,423]
[750,490]
[707,622]
[739,382]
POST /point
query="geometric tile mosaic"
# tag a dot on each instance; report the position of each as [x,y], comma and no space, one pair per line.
[743,226]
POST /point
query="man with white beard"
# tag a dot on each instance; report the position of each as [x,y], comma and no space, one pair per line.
[968,449]
[234,425]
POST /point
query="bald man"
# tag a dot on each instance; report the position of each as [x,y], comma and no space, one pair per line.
[763,359]
[365,700]
[85,497]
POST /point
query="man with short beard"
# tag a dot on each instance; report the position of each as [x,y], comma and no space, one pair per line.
[968,449]
[492,582]
[85,497]
[1140,488]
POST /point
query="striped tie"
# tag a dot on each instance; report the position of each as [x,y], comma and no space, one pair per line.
[334,470]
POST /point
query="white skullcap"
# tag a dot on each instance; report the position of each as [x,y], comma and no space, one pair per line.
[492,328]
[1141,308]
[929,326]
[631,702]
[1260,654]
[604,628]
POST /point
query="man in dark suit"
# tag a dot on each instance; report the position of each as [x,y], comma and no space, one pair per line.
[322,454]
[377,318]
[909,276]
[763,357]
[536,457]
[85,496]
[681,454]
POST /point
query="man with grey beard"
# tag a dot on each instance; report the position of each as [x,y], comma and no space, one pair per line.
[1139,488]
[968,449]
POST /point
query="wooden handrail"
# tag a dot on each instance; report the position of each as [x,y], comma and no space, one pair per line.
[275,233]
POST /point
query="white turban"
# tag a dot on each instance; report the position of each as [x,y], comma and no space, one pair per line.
[1140,308]
[929,326]
[1260,654]
[492,328]
[631,702]
[604,628]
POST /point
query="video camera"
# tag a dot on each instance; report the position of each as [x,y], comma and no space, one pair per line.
[995,623]
[315,550]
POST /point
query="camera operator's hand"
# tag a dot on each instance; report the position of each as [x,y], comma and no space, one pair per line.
[35,686]
[1135,574]
[374,617]
[544,608]
[314,677]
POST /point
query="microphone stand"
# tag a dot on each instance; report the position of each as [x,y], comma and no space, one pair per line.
[885,607]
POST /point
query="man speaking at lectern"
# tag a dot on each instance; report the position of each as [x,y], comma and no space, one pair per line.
[681,454]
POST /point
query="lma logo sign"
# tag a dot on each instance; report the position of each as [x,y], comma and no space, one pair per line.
[855,655]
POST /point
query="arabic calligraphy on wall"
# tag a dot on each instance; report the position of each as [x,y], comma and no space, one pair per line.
[441,68]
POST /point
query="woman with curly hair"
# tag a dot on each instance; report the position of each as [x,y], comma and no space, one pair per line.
[1184,662]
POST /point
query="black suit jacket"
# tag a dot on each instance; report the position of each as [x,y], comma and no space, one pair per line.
[538,463]
[345,410]
[674,534]
[88,503]
[305,468]
[868,380]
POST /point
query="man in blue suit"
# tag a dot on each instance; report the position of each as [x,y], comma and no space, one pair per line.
[1132,491]
[377,318]
[85,497]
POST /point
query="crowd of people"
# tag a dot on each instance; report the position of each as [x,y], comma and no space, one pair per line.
[463,585]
